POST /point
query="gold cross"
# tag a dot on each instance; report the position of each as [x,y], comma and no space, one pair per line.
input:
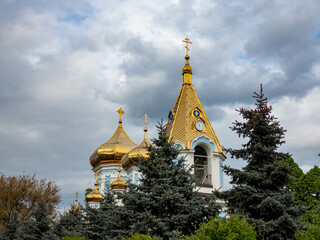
[77,196]
[145,120]
[95,180]
[120,111]
[187,41]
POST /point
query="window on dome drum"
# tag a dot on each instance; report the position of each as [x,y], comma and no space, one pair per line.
[203,178]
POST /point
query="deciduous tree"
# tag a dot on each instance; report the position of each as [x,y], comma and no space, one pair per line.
[21,195]
[307,188]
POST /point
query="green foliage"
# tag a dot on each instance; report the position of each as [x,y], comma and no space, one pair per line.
[138,236]
[70,223]
[307,188]
[165,202]
[11,230]
[311,220]
[39,226]
[70,237]
[312,216]
[88,190]
[295,175]
[225,229]
[108,222]
[259,189]
[311,233]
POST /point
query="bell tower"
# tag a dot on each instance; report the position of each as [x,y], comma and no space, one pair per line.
[190,129]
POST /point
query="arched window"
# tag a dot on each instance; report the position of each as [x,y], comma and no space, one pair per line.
[201,166]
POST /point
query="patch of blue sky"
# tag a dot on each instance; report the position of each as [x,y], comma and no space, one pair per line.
[74,17]
[243,57]
[77,17]
[240,56]
[318,34]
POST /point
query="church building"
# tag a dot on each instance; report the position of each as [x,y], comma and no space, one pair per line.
[188,127]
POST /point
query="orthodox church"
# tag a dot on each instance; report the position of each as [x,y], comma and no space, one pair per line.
[188,127]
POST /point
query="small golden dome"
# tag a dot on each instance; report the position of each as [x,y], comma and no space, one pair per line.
[137,153]
[75,207]
[95,195]
[115,148]
[187,68]
[119,183]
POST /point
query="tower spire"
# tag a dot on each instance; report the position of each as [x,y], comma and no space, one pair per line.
[145,125]
[187,69]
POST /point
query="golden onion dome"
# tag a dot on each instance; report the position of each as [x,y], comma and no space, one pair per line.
[115,148]
[119,183]
[95,195]
[137,153]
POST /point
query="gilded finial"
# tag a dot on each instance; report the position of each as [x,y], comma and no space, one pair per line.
[119,170]
[187,46]
[96,181]
[145,125]
[187,69]
[120,111]
[119,183]
[75,206]
[76,201]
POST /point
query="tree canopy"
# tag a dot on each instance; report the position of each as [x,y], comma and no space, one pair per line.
[21,195]
[165,201]
[259,190]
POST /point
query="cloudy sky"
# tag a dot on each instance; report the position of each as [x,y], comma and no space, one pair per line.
[67,66]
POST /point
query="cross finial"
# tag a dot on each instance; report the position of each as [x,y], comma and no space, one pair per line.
[77,196]
[145,125]
[95,180]
[120,111]
[145,120]
[187,42]
[119,170]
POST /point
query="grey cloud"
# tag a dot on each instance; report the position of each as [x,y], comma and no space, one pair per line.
[287,37]
[57,110]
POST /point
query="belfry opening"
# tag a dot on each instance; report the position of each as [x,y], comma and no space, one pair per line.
[201,167]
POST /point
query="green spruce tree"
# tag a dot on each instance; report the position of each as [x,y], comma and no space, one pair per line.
[39,226]
[70,223]
[165,201]
[259,189]
[11,231]
[110,221]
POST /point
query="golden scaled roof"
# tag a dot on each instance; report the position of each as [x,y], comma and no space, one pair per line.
[115,148]
[138,152]
[187,111]
[119,183]
[95,195]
